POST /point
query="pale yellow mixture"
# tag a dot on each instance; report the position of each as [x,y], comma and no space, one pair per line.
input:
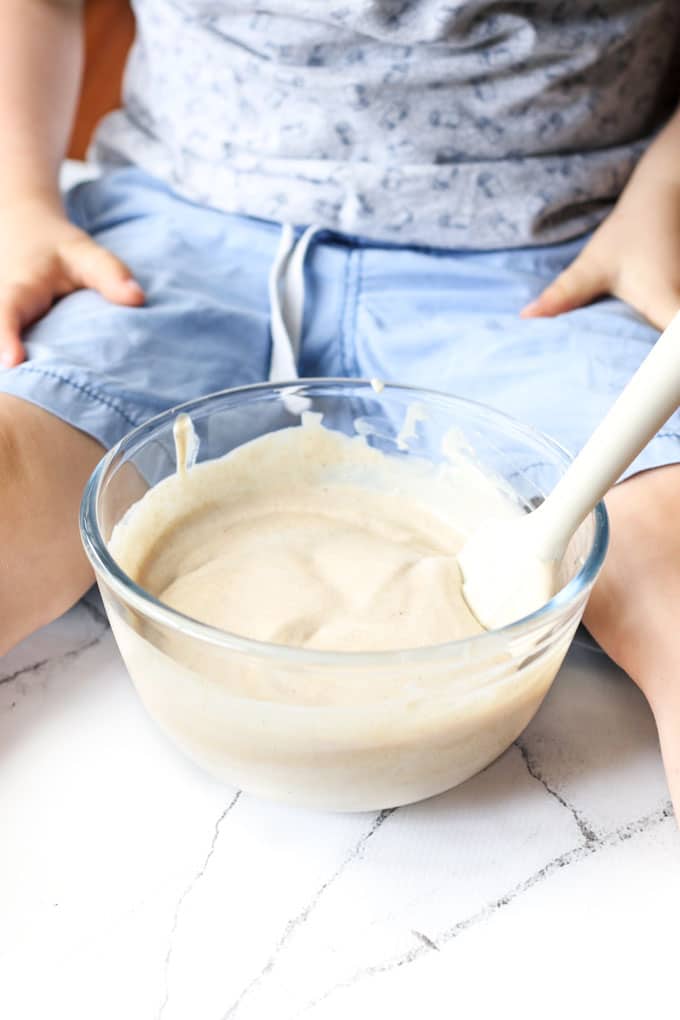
[332,567]
[309,538]
[306,537]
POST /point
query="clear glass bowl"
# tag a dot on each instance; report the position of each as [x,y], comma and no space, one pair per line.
[400,726]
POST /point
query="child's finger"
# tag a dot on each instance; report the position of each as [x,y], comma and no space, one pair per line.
[11,348]
[580,283]
[92,266]
[20,304]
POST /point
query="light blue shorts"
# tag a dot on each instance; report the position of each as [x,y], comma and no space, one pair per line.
[441,319]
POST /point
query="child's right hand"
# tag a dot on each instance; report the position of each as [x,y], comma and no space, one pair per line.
[44,257]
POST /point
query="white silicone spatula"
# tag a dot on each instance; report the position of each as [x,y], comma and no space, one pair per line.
[510,568]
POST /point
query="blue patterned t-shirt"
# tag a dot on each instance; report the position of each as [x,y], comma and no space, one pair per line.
[455,123]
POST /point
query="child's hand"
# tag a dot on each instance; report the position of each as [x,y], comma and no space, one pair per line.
[42,258]
[635,253]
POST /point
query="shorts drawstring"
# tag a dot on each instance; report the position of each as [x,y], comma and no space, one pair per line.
[287,301]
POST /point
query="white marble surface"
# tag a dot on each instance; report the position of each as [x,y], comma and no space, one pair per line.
[134,887]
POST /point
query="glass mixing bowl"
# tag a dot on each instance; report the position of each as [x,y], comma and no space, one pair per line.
[400,725]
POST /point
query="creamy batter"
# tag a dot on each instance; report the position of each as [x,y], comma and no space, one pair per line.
[322,563]
[310,539]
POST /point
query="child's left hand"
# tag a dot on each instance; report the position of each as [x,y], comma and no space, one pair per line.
[635,253]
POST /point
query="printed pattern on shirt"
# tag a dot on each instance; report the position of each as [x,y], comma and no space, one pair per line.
[455,123]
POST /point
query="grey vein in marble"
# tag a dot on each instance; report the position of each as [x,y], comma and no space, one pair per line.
[534,770]
[187,891]
[94,607]
[426,943]
[50,660]
[425,939]
[300,918]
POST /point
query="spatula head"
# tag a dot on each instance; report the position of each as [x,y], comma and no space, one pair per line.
[504,579]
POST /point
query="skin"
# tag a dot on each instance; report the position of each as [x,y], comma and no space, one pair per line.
[634,255]
[44,463]
[42,255]
[633,612]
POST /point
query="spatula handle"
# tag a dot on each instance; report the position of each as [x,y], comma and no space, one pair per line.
[649,399]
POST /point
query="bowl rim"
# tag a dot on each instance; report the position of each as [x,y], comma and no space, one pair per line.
[147,604]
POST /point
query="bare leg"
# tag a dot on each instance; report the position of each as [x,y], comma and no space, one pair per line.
[634,611]
[44,465]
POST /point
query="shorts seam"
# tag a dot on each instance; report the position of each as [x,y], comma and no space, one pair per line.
[668,435]
[343,313]
[349,317]
[88,391]
[355,314]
